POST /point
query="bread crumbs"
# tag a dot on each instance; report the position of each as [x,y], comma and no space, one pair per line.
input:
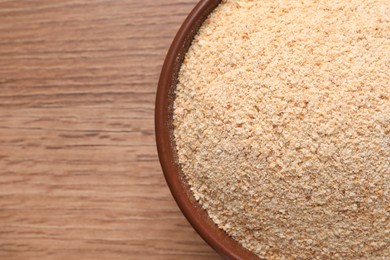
[282,126]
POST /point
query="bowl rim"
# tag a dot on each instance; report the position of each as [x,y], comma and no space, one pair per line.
[196,216]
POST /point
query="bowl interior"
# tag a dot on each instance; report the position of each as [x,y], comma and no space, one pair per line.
[177,183]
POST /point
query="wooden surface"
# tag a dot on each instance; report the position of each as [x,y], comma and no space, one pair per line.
[79,173]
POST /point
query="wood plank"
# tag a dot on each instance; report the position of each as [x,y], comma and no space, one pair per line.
[79,172]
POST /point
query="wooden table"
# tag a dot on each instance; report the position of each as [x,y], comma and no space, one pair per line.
[79,173]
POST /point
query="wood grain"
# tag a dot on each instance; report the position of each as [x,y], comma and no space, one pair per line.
[79,173]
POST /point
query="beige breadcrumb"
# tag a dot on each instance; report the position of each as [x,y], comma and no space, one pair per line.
[282,126]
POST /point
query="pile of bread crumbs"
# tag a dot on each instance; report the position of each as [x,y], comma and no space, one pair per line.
[282,125]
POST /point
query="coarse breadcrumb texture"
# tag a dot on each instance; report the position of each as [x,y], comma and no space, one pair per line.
[282,126]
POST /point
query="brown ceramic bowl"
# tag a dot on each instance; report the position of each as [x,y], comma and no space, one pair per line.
[191,209]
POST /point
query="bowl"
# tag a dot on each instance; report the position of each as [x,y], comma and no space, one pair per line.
[198,217]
